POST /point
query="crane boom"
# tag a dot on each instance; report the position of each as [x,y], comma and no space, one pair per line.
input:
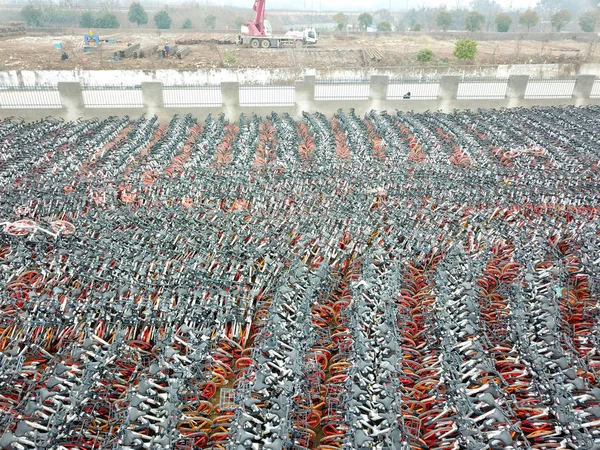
[259,21]
[257,28]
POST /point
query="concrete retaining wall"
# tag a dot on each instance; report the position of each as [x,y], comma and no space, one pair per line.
[260,76]
[72,99]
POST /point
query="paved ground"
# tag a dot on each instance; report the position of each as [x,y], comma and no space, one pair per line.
[37,52]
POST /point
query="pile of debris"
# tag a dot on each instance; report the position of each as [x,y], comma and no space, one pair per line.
[12,29]
[136,51]
[227,39]
[372,54]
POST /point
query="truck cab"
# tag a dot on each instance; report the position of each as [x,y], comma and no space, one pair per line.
[310,36]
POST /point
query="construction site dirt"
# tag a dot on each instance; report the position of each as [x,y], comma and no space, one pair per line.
[218,50]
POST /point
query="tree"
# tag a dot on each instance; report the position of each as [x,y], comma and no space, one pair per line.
[341,19]
[365,20]
[87,20]
[475,21]
[425,56]
[529,19]
[588,21]
[489,8]
[187,25]
[106,20]
[384,14]
[210,22]
[239,21]
[560,18]
[384,26]
[32,16]
[444,19]
[137,14]
[416,27]
[162,20]
[503,22]
[465,49]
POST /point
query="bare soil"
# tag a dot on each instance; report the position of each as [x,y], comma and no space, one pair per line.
[332,52]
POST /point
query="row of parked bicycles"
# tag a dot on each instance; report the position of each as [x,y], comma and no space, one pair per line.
[395,281]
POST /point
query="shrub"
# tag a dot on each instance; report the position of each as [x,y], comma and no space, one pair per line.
[384,26]
[465,49]
[229,60]
[416,27]
[425,56]
[187,25]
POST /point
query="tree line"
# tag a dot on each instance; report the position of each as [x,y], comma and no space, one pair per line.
[445,19]
[49,17]
[483,15]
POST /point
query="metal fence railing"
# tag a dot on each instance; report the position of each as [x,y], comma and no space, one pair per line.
[29,97]
[267,95]
[482,88]
[413,89]
[192,95]
[281,94]
[550,88]
[112,97]
[596,89]
[341,89]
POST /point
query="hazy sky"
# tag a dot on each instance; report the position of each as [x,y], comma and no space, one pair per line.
[335,5]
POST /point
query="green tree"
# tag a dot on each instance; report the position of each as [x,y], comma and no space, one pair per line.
[162,20]
[425,56]
[365,20]
[341,19]
[529,19]
[239,21]
[210,22]
[137,14]
[503,22]
[87,20]
[106,20]
[474,21]
[588,21]
[32,16]
[384,26]
[465,49]
[560,18]
[444,19]
[187,25]
[416,27]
